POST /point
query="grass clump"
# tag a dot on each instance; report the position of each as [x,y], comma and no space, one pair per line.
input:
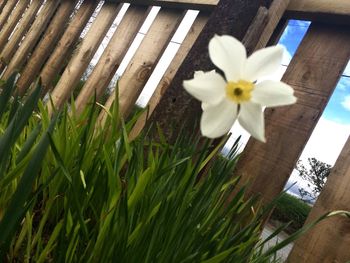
[71,192]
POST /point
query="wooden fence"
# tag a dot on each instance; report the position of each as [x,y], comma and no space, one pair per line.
[43,38]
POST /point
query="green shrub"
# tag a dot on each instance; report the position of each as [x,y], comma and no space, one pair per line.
[291,209]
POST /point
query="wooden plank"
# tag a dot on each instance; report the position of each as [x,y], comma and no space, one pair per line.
[313,73]
[276,11]
[6,12]
[255,30]
[12,22]
[163,85]
[331,11]
[177,108]
[2,4]
[32,37]
[203,5]
[64,49]
[113,55]
[330,240]
[144,60]
[21,29]
[84,54]
[46,45]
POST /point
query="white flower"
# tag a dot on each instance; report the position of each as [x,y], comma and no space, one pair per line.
[240,96]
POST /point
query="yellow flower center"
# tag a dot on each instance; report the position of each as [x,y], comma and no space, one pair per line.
[239,91]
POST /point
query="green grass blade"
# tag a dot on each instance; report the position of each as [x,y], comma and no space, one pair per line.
[7,89]
[16,209]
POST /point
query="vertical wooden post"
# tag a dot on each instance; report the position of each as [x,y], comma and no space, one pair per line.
[66,44]
[177,108]
[313,73]
[113,55]
[84,54]
[46,45]
[32,37]
[8,8]
[330,240]
[21,29]
[12,22]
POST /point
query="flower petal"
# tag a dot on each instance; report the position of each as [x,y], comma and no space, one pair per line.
[205,106]
[263,62]
[217,120]
[251,118]
[207,87]
[228,54]
[273,93]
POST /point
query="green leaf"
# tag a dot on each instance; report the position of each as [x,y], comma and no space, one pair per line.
[7,89]
[140,187]
[16,209]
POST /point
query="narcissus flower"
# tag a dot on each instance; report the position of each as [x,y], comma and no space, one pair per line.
[240,95]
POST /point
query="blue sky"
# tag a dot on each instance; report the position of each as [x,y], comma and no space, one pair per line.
[338,108]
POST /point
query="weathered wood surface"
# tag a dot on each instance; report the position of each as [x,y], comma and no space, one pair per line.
[177,108]
[37,28]
[60,56]
[147,55]
[12,45]
[46,45]
[2,4]
[112,55]
[204,5]
[337,11]
[255,30]
[163,85]
[12,22]
[276,11]
[82,57]
[6,12]
[330,240]
[313,73]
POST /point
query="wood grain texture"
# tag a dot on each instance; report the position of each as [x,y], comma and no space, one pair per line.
[203,5]
[330,11]
[255,30]
[330,240]
[59,58]
[142,64]
[82,57]
[112,56]
[12,22]
[163,85]
[19,33]
[177,108]
[46,45]
[313,73]
[2,4]
[6,12]
[276,11]
[31,38]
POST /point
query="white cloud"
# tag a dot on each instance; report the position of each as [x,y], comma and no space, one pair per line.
[326,141]
[347,69]
[287,57]
[344,84]
[346,103]
[325,144]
